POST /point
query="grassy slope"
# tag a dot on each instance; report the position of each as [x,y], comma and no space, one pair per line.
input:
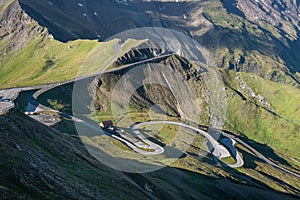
[45,60]
[284,98]
[29,55]
[264,50]
[248,117]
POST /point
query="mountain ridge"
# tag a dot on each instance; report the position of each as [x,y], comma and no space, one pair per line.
[230,37]
[42,41]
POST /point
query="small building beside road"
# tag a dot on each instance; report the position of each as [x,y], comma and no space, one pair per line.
[106,124]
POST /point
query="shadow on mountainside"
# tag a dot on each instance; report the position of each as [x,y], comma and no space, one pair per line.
[40,162]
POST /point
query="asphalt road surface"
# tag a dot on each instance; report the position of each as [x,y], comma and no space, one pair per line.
[6,106]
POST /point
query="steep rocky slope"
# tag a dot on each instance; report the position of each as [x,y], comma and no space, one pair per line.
[252,36]
[30,56]
[38,162]
[17,27]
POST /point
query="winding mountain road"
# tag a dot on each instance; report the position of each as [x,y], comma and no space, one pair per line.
[218,150]
[34,106]
[156,148]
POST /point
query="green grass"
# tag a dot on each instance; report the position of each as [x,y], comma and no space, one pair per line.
[284,98]
[44,60]
[56,104]
[250,118]
[229,160]
[171,135]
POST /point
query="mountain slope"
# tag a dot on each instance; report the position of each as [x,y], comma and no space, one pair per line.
[30,55]
[38,162]
[237,41]
[252,50]
[244,35]
[17,28]
[256,107]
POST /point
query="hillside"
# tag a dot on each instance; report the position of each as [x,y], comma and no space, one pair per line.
[30,55]
[38,162]
[41,163]
[255,107]
[254,45]
[266,45]
[249,36]
[272,130]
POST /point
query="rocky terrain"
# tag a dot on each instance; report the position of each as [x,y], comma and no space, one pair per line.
[255,100]
[242,34]
[17,27]
[255,45]
[260,37]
